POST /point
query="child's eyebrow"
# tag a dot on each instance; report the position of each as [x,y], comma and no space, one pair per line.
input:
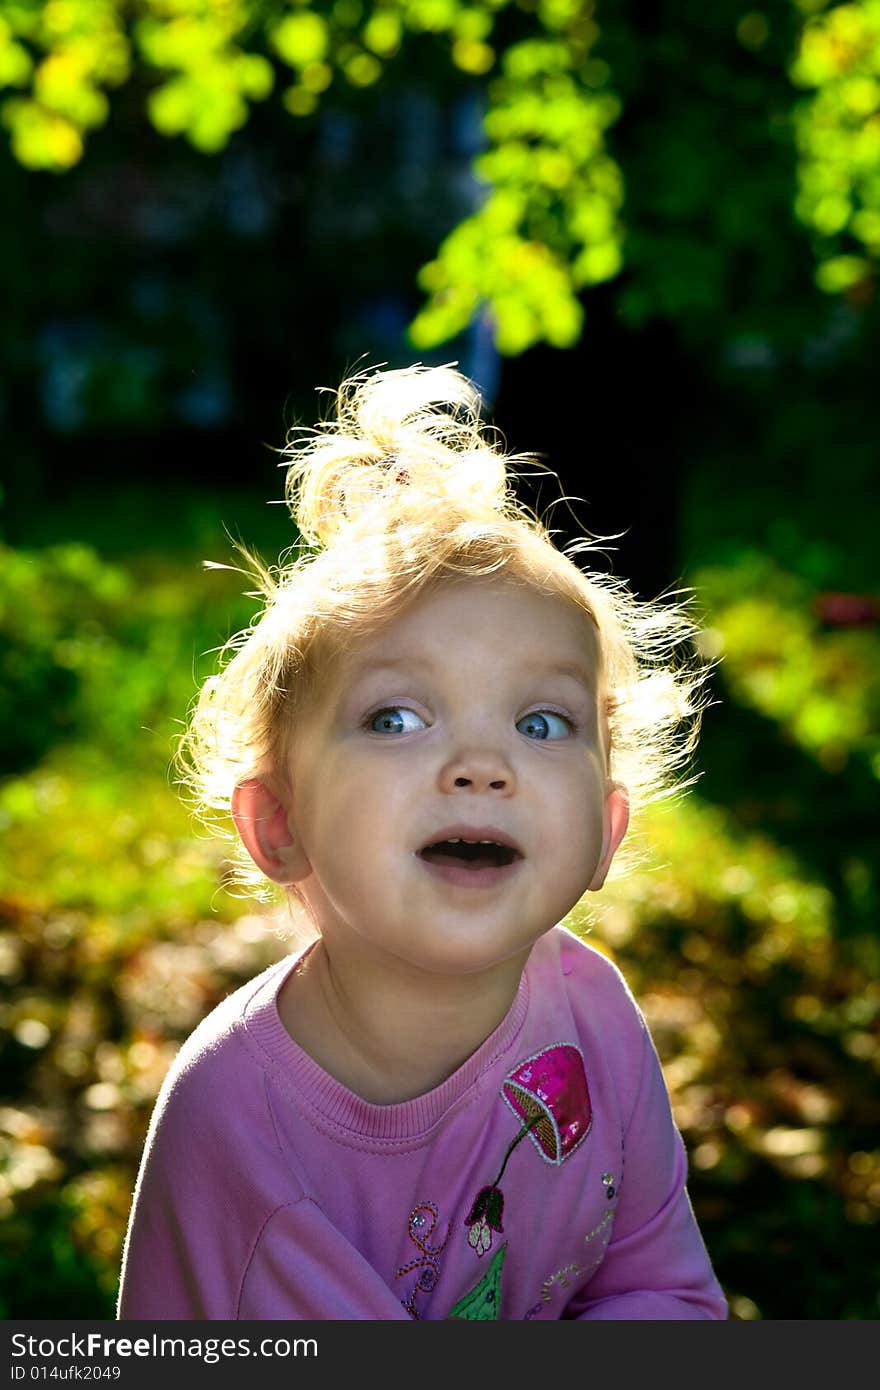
[574,670]
[366,666]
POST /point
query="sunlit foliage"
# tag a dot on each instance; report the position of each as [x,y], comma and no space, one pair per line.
[838,136]
[208,79]
[550,216]
[549,224]
[818,682]
[65,55]
[104,971]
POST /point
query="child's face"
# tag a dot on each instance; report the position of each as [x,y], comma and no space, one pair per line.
[474,715]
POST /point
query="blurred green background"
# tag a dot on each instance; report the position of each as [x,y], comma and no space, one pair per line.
[650,232]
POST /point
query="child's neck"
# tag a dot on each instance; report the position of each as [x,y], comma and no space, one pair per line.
[391,1038]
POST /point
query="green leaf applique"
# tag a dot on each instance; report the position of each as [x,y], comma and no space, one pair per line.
[483,1302]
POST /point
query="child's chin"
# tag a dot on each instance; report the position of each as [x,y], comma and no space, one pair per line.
[457,957]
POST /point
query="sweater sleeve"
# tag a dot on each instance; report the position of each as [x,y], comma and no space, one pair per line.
[220,1228]
[656,1267]
[304,1268]
[198,1206]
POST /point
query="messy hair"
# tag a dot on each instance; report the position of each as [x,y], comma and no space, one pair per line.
[401,489]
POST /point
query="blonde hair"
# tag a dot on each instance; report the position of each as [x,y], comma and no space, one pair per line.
[404,488]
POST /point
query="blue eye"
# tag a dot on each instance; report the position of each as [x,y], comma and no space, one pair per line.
[537,725]
[392,720]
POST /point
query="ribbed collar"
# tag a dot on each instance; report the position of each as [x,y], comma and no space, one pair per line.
[407,1121]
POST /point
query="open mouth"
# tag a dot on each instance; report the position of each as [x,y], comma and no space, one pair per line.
[472,855]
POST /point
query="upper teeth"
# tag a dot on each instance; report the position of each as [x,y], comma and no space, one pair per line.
[458,841]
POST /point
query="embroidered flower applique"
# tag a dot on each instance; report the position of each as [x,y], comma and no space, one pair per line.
[549,1094]
[480,1236]
[484,1217]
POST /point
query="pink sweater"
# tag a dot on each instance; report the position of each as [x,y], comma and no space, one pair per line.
[543,1179]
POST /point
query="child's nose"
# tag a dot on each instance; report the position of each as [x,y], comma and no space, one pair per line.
[479,768]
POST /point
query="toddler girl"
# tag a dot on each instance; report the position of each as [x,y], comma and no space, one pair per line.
[447,1105]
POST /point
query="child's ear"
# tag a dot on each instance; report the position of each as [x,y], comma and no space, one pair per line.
[615,822]
[261,819]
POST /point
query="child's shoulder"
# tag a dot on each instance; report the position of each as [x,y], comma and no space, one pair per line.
[588,968]
[596,1002]
[597,993]
[221,1057]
